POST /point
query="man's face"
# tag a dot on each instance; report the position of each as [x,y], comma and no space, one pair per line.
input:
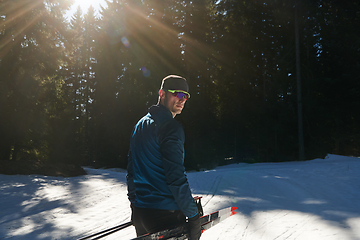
[171,102]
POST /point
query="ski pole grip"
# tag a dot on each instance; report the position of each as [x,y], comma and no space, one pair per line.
[199,206]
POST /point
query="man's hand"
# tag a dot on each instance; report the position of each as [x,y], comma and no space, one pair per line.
[195,227]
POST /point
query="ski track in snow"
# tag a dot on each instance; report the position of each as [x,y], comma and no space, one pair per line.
[316,199]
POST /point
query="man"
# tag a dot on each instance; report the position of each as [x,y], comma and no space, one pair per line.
[158,189]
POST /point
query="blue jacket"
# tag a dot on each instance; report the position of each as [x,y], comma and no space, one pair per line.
[156,174]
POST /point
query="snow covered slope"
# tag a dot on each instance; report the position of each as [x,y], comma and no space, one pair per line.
[318,199]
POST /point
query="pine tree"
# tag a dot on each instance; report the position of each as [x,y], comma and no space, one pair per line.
[30,53]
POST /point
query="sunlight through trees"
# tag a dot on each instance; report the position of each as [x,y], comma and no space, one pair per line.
[71,90]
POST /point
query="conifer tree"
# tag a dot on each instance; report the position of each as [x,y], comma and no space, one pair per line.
[30,53]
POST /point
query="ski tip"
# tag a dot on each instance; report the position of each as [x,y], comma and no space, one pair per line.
[233,211]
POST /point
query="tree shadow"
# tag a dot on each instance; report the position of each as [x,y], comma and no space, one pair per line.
[29,205]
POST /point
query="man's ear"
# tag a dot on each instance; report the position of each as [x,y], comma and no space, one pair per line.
[161,94]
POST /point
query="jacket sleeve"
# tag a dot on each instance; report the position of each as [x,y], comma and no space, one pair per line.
[171,139]
[130,180]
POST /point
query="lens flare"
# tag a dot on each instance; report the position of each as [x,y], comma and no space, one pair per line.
[146,72]
[125,41]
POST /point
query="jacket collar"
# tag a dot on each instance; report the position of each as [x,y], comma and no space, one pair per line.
[160,111]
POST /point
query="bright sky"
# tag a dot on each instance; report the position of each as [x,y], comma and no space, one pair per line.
[85,4]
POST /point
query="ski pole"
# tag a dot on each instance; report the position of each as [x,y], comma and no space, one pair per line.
[106,232]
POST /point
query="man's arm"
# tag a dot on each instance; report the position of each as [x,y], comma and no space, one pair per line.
[172,137]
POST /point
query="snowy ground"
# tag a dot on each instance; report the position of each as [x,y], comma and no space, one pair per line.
[318,199]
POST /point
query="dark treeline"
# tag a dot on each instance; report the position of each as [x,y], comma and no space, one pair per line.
[71,91]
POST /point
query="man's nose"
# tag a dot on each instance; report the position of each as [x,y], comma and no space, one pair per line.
[182,99]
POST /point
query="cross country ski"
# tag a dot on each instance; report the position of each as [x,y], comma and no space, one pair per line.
[181,232]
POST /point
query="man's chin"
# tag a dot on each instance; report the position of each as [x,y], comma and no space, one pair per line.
[178,111]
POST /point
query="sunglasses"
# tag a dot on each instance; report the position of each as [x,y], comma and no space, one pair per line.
[180,94]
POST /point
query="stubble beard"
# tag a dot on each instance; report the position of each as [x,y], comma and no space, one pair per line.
[172,106]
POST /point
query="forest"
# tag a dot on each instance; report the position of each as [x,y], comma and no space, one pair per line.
[261,74]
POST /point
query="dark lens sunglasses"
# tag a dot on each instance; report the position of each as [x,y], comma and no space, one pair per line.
[180,94]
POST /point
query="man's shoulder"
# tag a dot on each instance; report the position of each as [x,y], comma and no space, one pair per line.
[160,114]
[171,129]
[165,122]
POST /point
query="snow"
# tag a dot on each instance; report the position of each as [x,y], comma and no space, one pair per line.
[317,199]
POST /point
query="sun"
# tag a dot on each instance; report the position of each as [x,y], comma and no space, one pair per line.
[85,4]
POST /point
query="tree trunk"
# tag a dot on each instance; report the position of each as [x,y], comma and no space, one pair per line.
[298,80]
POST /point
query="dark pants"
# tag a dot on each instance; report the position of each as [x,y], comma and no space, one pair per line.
[148,220]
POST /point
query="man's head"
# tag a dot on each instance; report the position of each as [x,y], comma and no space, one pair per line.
[173,93]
